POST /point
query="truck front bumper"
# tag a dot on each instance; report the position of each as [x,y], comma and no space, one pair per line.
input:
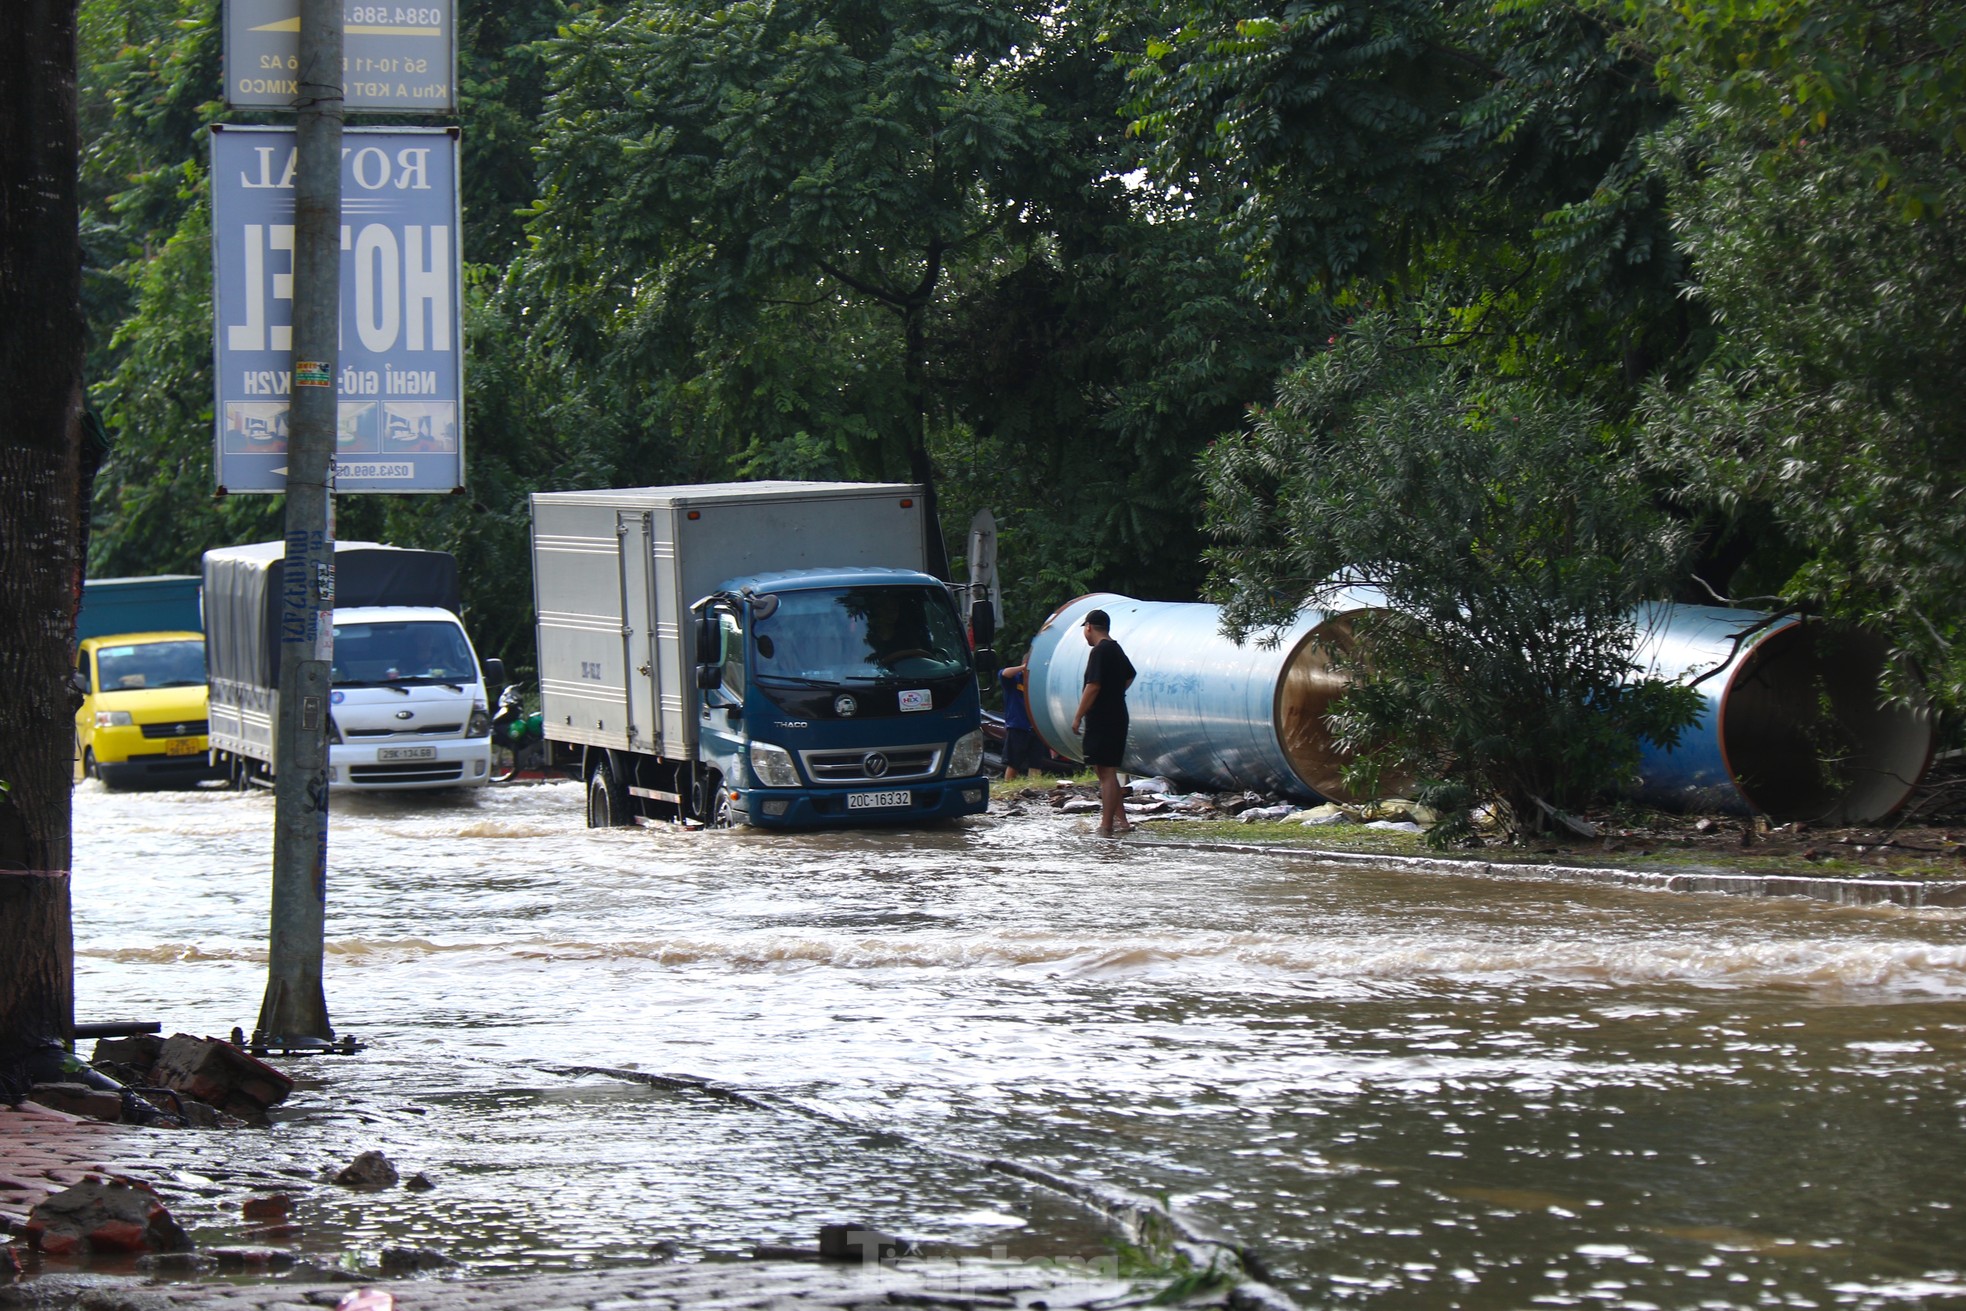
[836,807]
[456,763]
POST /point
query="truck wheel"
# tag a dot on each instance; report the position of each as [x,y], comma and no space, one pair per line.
[709,803]
[607,801]
[89,769]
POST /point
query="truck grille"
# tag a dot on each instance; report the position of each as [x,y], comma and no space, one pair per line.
[415,771]
[420,730]
[895,764]
[185,728]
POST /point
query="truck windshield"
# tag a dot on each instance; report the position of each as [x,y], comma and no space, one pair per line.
[401,651]
[126,667]
[861,634]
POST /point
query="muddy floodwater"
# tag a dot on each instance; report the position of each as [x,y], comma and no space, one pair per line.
[1401,1089]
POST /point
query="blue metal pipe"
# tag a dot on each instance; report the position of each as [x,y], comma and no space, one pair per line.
[1204,710]
[1790,725]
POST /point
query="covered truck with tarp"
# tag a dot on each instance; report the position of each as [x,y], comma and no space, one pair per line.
[407,707]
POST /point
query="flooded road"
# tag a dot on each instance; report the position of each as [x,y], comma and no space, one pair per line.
[1401,1089]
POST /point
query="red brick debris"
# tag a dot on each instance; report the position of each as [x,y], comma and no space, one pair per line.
[43,1151]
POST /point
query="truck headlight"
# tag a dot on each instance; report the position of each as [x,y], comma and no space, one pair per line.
[113,719]
[334,732]
[967,757]
[480,725]
[773,766]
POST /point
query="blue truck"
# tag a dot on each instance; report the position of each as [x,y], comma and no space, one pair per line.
[764,653]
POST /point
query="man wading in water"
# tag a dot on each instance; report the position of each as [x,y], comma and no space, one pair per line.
[1101,718]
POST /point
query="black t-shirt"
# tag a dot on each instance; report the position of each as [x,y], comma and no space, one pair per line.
[1108,667]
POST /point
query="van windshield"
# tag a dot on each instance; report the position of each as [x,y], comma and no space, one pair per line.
[401,651]
[860,635]
[129,666]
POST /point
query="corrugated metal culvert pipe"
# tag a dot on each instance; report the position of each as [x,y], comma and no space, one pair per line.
[1793,728]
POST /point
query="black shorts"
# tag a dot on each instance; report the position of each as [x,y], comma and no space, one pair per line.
[1104,743]
[1020,749]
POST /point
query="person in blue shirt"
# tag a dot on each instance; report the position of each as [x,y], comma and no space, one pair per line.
[1020,739]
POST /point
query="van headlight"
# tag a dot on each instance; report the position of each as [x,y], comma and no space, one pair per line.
[773,766]
[113,719]
[480,725]
[967,757]
[334,732]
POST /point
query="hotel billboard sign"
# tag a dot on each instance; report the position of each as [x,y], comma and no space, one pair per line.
[399,387]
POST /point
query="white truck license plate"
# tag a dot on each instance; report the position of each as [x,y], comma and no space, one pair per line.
[875,800]
[405,753]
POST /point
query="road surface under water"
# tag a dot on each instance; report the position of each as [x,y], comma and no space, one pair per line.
[1401,1089]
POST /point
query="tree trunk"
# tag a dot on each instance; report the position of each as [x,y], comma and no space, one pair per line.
[37,993]
[40,565]
[920,468]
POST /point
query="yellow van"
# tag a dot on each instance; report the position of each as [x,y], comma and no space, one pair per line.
[142,721]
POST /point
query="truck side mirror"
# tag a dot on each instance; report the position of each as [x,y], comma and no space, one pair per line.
[986,667]
[708,677]
[708,641]
[494,669]
[982,623]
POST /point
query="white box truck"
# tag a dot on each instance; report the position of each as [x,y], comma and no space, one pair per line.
[770,653]
[407,707]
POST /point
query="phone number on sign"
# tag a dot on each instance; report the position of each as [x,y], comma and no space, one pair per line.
[348,469]
[390,14]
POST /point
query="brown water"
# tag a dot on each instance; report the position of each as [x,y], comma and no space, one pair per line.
[1402,1089]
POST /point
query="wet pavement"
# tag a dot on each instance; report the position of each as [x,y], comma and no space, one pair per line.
[43,1151]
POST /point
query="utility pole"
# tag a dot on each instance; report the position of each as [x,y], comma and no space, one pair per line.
[295,1010]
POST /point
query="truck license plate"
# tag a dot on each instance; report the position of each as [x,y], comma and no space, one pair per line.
[183,746]
[406,753]
[875,800]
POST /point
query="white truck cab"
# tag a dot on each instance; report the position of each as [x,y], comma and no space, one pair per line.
[408,708]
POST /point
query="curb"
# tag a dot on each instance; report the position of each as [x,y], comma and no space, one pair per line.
[1914,894]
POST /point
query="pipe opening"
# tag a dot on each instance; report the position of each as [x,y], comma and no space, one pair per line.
[1804,736]
[1304,698]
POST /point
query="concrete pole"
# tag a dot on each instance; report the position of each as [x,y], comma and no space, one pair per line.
[295,1009]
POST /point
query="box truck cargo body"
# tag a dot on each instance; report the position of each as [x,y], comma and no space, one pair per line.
[160,603]
[768,653]
[407,707]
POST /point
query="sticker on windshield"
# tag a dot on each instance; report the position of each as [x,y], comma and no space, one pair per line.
[917,699]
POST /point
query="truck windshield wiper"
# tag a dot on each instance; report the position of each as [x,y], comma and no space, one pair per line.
[796,680]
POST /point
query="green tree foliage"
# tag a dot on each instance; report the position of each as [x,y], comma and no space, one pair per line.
[1488,155]
[792,240]
[741,171]
[1818,183]
[1093,357]
[1512,544]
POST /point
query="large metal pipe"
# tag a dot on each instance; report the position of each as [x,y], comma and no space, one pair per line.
[1204,710]
[1791,727]
[1791,723]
